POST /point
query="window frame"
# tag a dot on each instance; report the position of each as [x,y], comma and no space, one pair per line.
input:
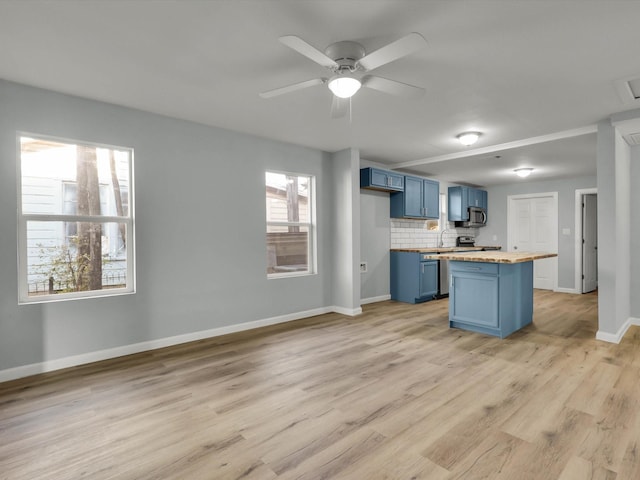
[24,218]
[312,260]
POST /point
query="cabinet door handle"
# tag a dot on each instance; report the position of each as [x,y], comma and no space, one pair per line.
[473,268]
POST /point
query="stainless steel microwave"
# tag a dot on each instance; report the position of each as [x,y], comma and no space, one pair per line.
[477,218]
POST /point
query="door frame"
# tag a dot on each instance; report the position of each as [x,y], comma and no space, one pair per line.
[510,207]
[580,192]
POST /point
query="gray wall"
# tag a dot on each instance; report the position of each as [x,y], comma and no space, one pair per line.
[375,244]
[497,218]
[375,237]
[200,218]
[606,227]
[615,273]
[635,233]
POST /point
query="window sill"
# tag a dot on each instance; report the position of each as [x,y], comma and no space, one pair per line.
[289,274]
[65,297]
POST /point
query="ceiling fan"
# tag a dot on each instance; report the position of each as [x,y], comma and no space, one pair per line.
[347,61]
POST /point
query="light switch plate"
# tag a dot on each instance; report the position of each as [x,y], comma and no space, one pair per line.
[566,231]
[363,267]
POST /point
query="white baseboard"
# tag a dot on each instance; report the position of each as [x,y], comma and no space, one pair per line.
[617,337]
[379,298]
[566,290]
[351,312]
[75,360]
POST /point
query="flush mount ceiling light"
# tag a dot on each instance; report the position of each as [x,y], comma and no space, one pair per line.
[343,86]
[468,138]
[523,172]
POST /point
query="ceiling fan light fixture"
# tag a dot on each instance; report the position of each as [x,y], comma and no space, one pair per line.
[523,172]
[343,86]
[468,138]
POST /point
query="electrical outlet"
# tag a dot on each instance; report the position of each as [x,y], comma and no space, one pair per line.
[363,267]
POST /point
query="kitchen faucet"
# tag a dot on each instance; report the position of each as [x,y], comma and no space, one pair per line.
[441,240]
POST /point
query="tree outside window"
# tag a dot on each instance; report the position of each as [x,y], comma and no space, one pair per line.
[75,222]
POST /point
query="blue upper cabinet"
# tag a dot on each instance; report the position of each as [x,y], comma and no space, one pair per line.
[484,201]
[478,198]
[383,180]
[420,199]
[461,198]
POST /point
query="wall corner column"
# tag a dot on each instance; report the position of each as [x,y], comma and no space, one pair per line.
[345,286]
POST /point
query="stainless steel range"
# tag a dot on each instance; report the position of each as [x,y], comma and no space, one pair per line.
[465,241]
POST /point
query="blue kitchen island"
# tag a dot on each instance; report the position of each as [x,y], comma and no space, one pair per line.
[491,292]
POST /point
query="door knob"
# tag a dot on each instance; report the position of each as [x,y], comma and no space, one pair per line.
[515,247]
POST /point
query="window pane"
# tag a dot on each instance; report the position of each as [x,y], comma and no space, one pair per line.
[287,249]
[287,198]
[64,178]
[95,258]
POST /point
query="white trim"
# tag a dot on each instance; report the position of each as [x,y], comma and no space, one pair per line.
[89,357]
[576,132]
[379,298]
[580,192]
[566,290]
[351,312]
[617,337]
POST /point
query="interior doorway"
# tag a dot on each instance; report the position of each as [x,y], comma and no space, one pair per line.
[586,240]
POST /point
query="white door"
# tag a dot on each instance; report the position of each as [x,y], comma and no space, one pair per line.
[533,227]
[589,243]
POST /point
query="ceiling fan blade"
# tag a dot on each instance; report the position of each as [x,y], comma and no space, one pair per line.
[398,49]
[312,53]
[392,87]
[339,107]
[292,88]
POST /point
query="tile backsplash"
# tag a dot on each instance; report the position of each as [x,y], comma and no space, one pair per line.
[407,233]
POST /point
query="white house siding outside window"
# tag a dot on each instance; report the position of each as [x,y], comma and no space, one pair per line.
[291,234]
[75,219]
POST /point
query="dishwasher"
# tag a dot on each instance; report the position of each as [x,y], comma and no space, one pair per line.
[443,266]
[443,278]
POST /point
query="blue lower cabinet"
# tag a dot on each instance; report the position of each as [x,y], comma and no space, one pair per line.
[413,279]
[491,298]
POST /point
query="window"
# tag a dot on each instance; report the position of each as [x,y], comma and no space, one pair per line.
[290,224]
[441,224]
[75,224]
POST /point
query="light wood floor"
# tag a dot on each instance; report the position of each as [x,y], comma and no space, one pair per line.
[390,394]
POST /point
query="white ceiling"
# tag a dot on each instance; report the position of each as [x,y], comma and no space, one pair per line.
[511,69]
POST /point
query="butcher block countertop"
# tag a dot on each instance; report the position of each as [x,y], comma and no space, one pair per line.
[445,249]
[493,257]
